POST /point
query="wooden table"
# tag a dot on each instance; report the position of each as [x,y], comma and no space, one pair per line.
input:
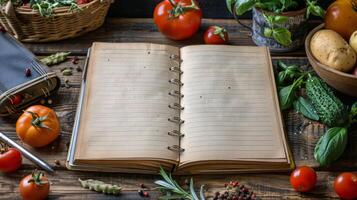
[65,183]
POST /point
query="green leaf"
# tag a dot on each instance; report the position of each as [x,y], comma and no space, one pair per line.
[282,65]
[229,4]
[331,145]
[192,191]
[314,9]
[305,107]
[278,19]
[202,193]
[268,32]
[243,6]
[282,36]
[281,77]
[287,96]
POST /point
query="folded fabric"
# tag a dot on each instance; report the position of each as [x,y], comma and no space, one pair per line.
[22,75]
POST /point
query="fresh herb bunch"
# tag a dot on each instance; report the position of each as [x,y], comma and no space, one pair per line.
[46,7]
[319,104]
[174,191]
[276,30]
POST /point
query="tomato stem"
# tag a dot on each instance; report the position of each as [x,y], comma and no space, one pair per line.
[37,178]
[37,120]
[220,31]
[178,9]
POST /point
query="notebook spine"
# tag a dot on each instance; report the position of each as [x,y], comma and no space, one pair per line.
[176,106]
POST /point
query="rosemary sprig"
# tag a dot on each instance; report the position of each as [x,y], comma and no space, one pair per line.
[171,186]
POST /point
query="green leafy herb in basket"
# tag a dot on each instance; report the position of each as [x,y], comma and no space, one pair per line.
[46,7]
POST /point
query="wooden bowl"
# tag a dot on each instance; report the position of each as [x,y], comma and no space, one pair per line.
[343,82]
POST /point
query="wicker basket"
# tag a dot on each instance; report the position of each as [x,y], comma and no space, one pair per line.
[28,25]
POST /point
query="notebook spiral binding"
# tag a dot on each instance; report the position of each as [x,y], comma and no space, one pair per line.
[176,106]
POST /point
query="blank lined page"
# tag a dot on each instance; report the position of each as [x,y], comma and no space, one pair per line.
[230,105]
[125,109]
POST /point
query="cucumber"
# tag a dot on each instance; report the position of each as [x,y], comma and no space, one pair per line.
[330,109]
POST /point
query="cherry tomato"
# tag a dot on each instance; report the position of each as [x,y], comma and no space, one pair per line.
[215,35]
[34,186]
[10,160]
[345,185]
[341,16]
[16,99]
[178,19]
[303,179]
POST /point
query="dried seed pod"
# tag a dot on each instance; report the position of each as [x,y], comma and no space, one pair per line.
[55,58]
[100,186]
[28,72]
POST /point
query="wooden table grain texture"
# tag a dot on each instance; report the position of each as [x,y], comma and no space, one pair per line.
[65,183]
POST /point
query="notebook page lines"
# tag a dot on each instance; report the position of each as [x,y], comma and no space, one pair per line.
[228,105]
[127,103]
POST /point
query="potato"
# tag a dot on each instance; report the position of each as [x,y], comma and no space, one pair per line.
[353,41]
[329,48]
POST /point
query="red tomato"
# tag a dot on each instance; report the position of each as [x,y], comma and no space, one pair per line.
[34,186]
[10,160]
[346,185]
[16,99]
[215,35]
[178,19]
[341,16]
[303,179]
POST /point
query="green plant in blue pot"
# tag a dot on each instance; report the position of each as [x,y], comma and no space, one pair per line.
[279,24]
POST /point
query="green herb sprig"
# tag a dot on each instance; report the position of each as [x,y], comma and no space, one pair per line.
[175,191]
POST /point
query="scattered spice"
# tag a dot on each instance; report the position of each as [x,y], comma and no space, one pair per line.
[235,191]
[67,72]
[2,29]
[57,162]
[28,72]
[55,58]
[43,101]
[142,185]
[146,194]
[75,60]
[79,69]
[66,83]
[100,186]
[141,192]
[49,101]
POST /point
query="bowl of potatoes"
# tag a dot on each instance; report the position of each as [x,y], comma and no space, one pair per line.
[333,58]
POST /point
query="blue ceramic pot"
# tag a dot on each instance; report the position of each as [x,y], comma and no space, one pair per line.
[296,24]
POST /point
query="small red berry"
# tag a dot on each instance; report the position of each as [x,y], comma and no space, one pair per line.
[75,60]
[2,29]
[16,99]
[146,194]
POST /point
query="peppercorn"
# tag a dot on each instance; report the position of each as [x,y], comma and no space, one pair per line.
[28,72]
[146,194]
[141,192]
[75,60]
[142,185]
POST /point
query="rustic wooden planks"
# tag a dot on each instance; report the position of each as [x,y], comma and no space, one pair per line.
[65,184]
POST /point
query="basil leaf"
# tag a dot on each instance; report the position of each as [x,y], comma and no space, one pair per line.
[354,109]
[282,65]
[280,19]
[268,32]
[305,107]
[282,36]
[229,4]
[243,6]
[281,77]
[314,9]
[331,145]
[287,96]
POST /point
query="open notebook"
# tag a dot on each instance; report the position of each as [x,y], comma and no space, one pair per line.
[199,109]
